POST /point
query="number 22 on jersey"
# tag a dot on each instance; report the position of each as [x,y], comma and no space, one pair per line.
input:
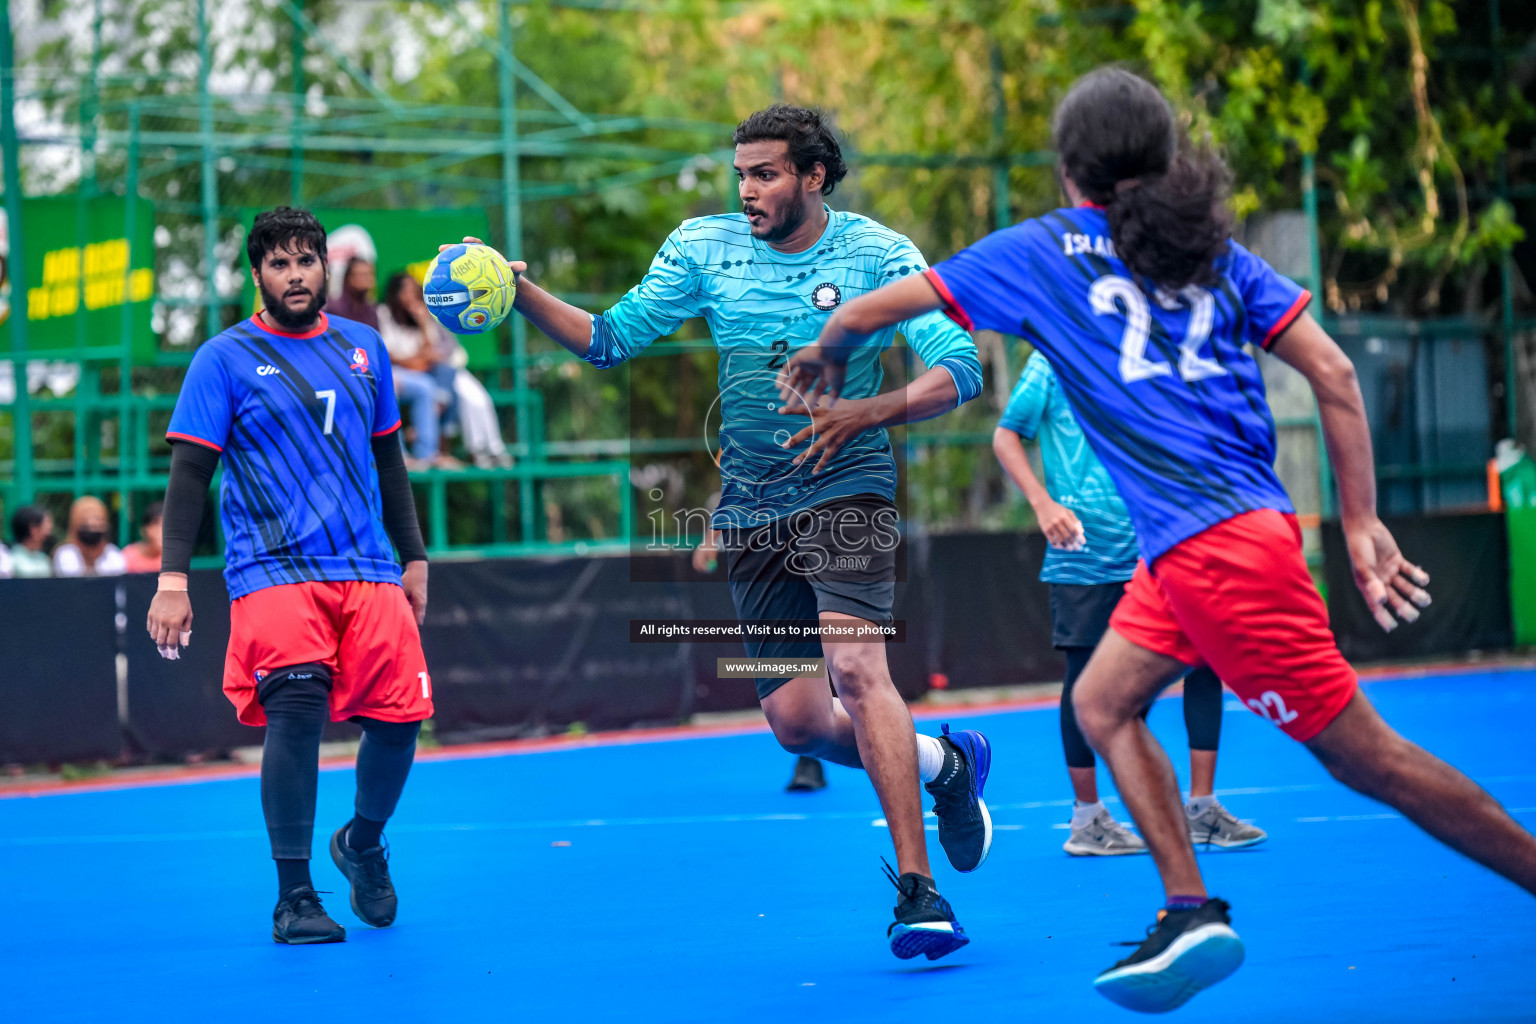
[1110,293]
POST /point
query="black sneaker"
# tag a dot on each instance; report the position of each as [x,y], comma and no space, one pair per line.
[809,776]
[965,827]
[924,921]
[300,919]
[373,894]
[1186,952]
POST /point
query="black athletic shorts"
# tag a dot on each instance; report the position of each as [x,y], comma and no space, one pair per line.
[837,557]
[1080,612]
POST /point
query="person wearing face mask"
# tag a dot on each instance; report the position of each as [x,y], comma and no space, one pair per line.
[86,551]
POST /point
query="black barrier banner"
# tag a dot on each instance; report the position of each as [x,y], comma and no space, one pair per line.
[58,671]
[992,614]
[529,646]
[1467,561]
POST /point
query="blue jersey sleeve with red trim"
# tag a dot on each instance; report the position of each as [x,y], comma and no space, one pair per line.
[985,287]
[386,409]
[205,407]
[1271,300]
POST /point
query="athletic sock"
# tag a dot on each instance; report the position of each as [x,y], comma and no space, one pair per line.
[1083,814]
[363,834]
[292,873]
[1186,902]
[1198,805]
[930,758]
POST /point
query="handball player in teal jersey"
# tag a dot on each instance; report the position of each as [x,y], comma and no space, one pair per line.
[807,514]
[1144,305]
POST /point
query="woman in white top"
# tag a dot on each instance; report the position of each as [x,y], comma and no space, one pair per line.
[404,324]
[86,551]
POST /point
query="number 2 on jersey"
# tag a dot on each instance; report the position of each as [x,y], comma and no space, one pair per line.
[778,359]
[1134,364]
[329,394]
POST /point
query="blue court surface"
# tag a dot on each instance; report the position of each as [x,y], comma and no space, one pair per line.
[693,888]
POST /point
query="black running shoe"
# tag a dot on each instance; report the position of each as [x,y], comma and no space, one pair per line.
[1186,952]
[809,776]
[300,919]
[373,894]
[965,827]
[924,921]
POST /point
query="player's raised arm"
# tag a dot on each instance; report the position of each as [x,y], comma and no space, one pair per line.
[1386,579]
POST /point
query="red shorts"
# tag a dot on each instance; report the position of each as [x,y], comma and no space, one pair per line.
[364,633]
[1238,597]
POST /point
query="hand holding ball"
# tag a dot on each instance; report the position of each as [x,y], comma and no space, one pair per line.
[469,288]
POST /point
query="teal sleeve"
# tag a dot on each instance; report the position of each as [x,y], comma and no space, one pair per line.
[936,339]
[1026,406]
[654,308]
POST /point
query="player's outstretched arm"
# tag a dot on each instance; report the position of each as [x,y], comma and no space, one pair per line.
[1388,581]
[569,325]
[820,368]
[170,613]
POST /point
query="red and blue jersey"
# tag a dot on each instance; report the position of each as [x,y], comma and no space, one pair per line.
[1161,383]
[294,416]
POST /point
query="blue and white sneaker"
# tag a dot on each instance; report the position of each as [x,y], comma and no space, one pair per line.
[1186,952]
[965,827]
[925,924]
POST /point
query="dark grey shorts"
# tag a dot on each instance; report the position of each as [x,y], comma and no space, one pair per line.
[1080,612]
[837,557]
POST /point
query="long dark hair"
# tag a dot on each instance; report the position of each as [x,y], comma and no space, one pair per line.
[1166,199]
[392,288]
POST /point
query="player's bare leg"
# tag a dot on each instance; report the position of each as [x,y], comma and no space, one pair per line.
[1120,680]
[886,742]
[1366,754]
[807,719]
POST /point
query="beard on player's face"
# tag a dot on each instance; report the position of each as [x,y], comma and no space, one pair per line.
[296,305]
[783,213]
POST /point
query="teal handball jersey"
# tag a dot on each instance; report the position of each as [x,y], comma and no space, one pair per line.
[1075,479]
[762,306]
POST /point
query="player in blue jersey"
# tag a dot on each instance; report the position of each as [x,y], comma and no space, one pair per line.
[1091,555]
[323,622]
[1143,304]
[813,539]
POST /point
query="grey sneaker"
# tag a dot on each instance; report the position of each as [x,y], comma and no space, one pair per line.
[1103,837]
[1217,827]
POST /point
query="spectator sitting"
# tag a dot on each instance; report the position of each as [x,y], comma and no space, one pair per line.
[423,377]
[356,299]
[475,412]
[32,529]
[86,550]
[145,555]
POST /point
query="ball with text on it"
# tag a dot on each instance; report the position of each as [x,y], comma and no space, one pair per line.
[469,288]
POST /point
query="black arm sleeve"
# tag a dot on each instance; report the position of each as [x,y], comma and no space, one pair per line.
[192,467]
[399,504]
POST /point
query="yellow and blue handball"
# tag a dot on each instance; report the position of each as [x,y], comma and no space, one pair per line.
[469,288]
